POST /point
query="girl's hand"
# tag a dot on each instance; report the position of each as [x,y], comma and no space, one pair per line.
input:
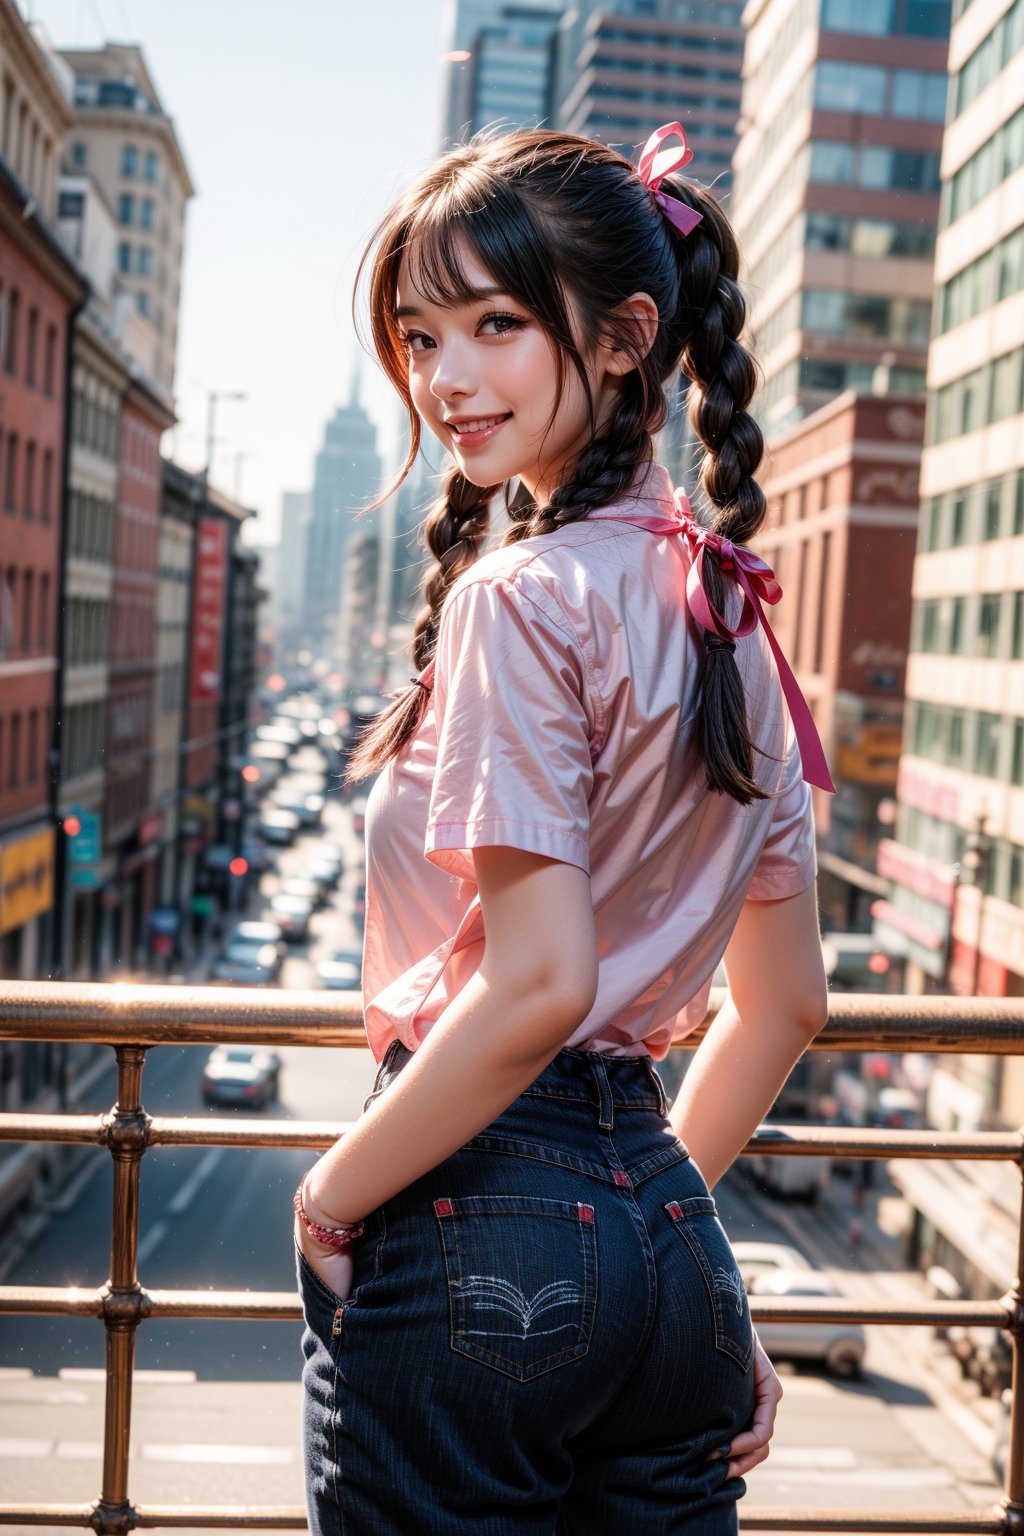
[334,1269]
[751,1447]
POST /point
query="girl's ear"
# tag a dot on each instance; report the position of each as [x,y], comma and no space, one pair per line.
[636,318]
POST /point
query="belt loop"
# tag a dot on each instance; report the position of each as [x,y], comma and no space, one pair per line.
[606,1114]
[659,1086]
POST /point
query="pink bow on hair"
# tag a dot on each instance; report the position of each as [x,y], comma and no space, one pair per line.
[756,581]
[657,163]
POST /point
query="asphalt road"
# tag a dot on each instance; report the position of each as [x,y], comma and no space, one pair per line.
[216,1404]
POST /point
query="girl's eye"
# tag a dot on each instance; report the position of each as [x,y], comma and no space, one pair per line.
[410,340]
[504,324]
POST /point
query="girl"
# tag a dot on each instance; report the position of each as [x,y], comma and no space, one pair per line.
[522,1313]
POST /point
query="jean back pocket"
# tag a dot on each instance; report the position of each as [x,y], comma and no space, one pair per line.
[696,1221]
[522,1280]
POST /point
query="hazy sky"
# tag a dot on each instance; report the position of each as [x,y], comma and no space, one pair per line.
[299,121]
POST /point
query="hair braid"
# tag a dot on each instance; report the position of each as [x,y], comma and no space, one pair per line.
[602,472]
[726,377]
[453,532]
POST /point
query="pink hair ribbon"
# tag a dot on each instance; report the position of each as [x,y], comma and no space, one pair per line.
[657,163]
[756,581]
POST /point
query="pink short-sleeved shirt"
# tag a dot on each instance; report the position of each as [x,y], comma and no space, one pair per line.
[561,721]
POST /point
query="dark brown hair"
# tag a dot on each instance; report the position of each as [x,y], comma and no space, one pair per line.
[565,226]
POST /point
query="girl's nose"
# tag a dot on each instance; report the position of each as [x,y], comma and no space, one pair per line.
[453,373]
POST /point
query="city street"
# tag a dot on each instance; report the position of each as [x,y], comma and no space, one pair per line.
[216,1404]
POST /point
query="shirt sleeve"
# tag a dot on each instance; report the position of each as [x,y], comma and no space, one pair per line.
[788,863]
[514,765]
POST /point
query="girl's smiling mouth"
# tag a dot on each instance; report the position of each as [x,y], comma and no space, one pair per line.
[470,431]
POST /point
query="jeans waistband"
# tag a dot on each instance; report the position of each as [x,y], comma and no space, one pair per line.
[586,1077]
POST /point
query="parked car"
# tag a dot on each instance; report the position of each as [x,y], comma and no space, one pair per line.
[300,885]
[278,826]
[250,931]
[754,1259]
[241,1074]
[799,1177]
[293,914]
[247,965]
[340,975]
[323,873]
[308,808]
[840,1345]
[258,856]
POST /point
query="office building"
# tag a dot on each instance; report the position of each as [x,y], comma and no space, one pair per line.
[124,138]
[836,188]
[620,72]
[347,477]
[956,859]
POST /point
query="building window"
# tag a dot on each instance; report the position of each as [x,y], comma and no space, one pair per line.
[145,260]
[10,473]
[50,363]
[44,612]
[126,208]
[129,160]
[146,213]
[45,501]
[79,156]
[33,745]
[30,479]
[14,756]
[11,331]
[32,342]
[124,257]
[27,584]
[151,168]
[142,300]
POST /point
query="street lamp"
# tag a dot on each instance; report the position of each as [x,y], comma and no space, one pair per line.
[211,411]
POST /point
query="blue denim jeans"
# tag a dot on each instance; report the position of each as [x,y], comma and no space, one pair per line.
[547,1334]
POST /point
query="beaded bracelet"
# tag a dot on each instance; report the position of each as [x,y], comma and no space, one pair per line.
[339,1238]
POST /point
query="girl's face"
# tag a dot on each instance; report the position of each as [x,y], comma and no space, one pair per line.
[483,378]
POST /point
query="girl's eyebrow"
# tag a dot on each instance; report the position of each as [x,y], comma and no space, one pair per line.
[474,296]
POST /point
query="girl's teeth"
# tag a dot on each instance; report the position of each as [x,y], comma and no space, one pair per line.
[478,426]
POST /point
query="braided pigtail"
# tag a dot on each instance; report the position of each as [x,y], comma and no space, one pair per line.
[603,470]
[453,532]
[725,376]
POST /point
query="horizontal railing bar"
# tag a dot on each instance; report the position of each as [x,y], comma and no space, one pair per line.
[796,1140]
[982,1522]
[117,1014]
[150,1516]
[282,1306]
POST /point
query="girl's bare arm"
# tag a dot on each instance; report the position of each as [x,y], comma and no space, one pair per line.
[535,985]
[777,1002]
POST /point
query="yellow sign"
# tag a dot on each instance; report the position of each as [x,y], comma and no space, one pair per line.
[26,879]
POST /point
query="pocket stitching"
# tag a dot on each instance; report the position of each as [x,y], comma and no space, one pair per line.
[701,1205]
[488,1355]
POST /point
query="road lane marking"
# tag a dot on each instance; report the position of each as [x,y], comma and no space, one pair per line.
[893,1478]
[837,1458]
[97,1373]
[153,1238]
[237,1455]
[33,1450]
[187,1192]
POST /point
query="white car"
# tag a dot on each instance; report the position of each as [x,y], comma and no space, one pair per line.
[247,965]
[755,1259]
[292,913]
[840,1345]
[241,1074]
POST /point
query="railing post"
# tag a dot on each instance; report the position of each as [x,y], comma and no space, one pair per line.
[1013,1502]
[127,1136]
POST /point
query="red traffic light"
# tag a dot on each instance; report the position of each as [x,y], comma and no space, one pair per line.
[251,774]
[239,866]
[72,826]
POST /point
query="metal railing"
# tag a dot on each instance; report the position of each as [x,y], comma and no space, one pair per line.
[133,1019]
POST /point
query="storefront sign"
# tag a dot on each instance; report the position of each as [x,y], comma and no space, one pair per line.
[26,879]
[150,828]
[210,598]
